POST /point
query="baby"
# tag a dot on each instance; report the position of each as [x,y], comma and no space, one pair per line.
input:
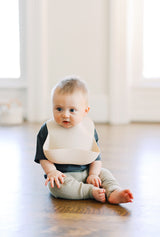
[68,149]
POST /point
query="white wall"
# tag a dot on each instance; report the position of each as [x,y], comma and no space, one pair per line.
[80,37]
[78,44]
[62,38]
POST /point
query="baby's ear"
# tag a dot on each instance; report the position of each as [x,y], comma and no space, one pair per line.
[87,109]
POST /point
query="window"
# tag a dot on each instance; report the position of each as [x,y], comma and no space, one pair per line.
[151,39]
[9,39]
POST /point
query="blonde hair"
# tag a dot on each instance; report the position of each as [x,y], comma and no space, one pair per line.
[70,85]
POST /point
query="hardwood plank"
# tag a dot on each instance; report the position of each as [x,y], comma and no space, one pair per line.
[131,152]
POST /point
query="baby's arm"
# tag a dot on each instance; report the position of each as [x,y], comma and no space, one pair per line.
[53,175]
[94,171]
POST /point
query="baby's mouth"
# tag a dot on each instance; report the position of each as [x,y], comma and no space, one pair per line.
[66,122]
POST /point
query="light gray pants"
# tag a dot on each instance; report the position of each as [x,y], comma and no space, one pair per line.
[75,187]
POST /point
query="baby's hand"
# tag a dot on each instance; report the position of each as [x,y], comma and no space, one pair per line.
[94,179]
[55,176]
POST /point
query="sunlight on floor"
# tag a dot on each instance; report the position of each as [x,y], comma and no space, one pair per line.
[10,182]
[10,166]
[149,170]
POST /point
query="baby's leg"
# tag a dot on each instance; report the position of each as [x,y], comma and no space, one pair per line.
[109,183]
[77,189]
[72,189]
[114,193]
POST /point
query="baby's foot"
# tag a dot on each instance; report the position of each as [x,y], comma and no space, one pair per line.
[120,196]
[99,194]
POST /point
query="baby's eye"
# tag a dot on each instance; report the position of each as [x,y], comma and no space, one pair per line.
[72,110]
[59,109]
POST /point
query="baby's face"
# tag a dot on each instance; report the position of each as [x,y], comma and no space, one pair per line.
[69,109]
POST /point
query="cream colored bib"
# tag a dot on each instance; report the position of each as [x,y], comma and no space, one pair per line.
[75,145]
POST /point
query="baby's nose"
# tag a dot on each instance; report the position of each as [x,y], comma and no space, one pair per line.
[66,114]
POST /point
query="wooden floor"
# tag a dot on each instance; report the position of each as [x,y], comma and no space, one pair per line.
[131,152]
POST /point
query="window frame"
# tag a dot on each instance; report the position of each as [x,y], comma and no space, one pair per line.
[21,81]
[135,38]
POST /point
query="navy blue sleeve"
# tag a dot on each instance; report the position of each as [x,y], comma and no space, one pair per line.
[96,138]
[41,137]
